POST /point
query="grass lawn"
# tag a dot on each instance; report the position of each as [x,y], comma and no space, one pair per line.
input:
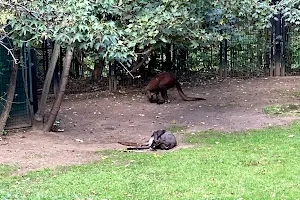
[287,109]
[260,164]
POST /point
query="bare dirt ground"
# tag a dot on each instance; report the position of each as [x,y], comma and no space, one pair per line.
[97,121]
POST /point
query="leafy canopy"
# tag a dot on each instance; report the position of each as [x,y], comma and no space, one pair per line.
[290,10]
[116,29]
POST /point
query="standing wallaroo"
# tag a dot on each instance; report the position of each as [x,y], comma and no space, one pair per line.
[160,85]
[160,139]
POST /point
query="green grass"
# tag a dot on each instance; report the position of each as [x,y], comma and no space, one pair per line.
[296,94]
[289,109]
[176,128]
[6,170]
[293,93]
[257,164]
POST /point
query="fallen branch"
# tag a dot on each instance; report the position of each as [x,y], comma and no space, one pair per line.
[129,71]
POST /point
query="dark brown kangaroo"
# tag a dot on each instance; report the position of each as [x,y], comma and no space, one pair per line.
[160,139]
[160,84]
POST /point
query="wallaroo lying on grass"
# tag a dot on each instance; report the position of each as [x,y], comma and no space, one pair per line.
[160,139]
[160,85]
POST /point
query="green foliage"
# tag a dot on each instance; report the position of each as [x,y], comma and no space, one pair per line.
[290,11]
[294,48]
[257,164]
[72,24]
[3,132]
[4,16]
[116,29]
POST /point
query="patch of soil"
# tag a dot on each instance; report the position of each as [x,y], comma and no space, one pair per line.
[97,121]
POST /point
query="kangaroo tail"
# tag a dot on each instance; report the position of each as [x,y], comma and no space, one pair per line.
[183,96]
[138,148]
[131,144]
[135,146]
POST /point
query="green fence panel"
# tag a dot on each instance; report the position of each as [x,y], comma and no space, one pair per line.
[19,116]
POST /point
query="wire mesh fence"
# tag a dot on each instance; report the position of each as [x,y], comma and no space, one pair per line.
[19,115]
[293,51]
[247,55]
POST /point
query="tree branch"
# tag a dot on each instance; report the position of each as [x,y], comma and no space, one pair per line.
[21,8]
[10,51]
[146,55]
[81,63]
[145,52]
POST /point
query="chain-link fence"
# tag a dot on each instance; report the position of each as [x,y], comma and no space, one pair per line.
[19,115]
[245,55]
[293,51]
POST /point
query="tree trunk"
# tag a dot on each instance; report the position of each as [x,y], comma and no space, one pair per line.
[77,68]
[10,96]
[168,58]
[268,53]
[221,68]
[277,42]
[63,83]
[39,115]
[225,59]
[152,64]
[98,68]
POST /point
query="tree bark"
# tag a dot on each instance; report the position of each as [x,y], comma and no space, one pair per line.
[153,63]
[63,83]
[168,67]
[98,69]
[39,115]
[10,96]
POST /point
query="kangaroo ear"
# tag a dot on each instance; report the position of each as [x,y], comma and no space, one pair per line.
[154,133]
[160,132]
[157,134]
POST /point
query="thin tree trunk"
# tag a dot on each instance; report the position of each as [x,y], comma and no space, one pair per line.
[152,64]
[10,96]
[98,69]
[63,83]
[39,115]
[168,52]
